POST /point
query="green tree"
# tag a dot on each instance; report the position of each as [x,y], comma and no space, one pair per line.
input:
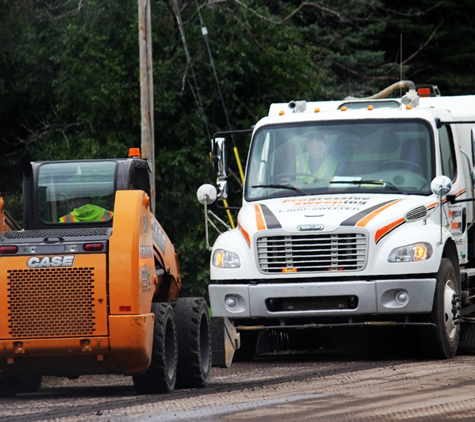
[69,81]
[438,43]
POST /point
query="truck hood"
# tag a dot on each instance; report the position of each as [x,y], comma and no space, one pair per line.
[330,212]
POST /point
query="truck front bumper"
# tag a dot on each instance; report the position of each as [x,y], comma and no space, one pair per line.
[380,297]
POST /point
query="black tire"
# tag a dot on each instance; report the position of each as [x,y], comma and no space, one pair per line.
[9,387]
[441,341]
[247,351]
[30,384]
[194,342]
[161,375]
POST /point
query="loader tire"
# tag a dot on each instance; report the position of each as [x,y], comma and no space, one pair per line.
[9,387]
[441,341]
[30,384]
[160,377]
[194,342]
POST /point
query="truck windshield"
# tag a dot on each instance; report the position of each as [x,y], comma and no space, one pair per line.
[76,192]
[384,156]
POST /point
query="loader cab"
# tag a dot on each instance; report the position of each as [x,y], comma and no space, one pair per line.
[59,194]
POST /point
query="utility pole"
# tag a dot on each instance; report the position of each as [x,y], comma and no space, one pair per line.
[146,90]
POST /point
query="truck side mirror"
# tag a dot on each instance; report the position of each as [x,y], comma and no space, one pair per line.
[220,164]
[206,194]
[441,186]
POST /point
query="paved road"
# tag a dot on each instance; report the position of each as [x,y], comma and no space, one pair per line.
[304,387]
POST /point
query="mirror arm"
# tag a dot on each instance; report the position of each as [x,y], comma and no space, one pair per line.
[441,207]
[452,200]
[208,247]
[227,208]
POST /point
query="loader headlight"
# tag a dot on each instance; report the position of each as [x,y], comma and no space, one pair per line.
[415,252]
[225,259]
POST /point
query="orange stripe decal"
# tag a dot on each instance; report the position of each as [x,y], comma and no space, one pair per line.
[444,200]
[369,217]
[386,229]
[259,218]
[245,235]
[434,204]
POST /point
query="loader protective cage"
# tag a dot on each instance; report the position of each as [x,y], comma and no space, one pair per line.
[57,187]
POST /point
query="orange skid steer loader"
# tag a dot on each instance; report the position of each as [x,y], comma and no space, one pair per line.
[91,284]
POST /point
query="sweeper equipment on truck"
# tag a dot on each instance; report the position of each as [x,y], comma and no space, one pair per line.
[356,213]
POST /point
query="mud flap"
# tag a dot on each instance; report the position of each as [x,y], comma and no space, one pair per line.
[225,341]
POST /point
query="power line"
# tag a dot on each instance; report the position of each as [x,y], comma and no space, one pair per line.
[204,31]
[190,61]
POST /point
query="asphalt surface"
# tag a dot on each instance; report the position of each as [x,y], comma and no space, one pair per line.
[314,386]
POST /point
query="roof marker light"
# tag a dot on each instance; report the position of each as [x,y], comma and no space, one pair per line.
[281,112]
[317,110]
[424,92]
[408,107]
[370,107]
[134,152]
[344,108]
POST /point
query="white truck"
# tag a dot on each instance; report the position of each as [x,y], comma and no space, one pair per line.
[380,232]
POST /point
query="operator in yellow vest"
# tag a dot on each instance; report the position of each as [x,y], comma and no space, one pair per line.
[317,162]
[82,211]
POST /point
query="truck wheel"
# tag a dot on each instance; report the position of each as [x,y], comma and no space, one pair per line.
[161,375]
[441,341]
[194,342]
[9,387]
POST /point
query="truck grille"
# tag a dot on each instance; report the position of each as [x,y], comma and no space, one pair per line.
[312,253]
[51,302]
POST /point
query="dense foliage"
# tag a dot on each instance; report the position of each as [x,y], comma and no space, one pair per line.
[69,80]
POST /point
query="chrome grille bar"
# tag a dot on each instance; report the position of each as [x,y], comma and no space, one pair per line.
[312,253]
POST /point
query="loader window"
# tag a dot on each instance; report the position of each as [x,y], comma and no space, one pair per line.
[76,192]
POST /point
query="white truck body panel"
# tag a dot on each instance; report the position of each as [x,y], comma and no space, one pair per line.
[376,223]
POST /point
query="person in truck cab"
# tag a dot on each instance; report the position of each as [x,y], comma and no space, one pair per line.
[81,210]
[316,161]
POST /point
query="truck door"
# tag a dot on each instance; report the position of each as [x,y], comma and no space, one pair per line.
[456,213]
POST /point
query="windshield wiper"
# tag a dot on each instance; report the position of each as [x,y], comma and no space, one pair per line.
[369,182]
[277,186]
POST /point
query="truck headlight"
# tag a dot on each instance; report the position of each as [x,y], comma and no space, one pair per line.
[415,252]
[225,259]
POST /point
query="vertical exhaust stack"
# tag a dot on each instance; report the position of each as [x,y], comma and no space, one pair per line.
[411,98]
[388,91]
